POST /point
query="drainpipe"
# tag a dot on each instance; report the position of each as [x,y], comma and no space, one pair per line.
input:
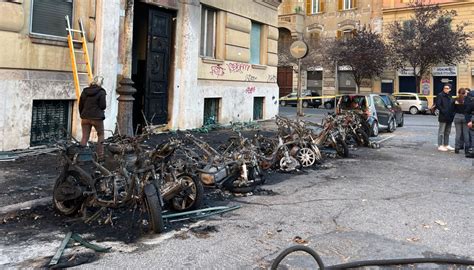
[126,89]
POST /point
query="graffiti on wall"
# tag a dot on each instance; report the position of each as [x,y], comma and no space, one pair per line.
[217,70]
[271,78]
[250,78]
[250,90]
[238,67]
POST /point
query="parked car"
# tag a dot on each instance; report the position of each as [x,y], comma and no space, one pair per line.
[393,104]
[412,102]
[330,103]
[377,113]
[291,100]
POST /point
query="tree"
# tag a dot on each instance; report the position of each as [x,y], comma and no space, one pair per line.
[364,53]
[427,39]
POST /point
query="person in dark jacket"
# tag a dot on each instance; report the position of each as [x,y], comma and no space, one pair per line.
[462,131]
[469,110]
[445,118]
[92,105]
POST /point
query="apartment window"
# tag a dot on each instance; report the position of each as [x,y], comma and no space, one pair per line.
[208,32]
[255,43]
[316,6]
[345,34]
[48,17]
[346,4]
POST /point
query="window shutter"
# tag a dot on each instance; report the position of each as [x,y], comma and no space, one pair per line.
[321,5]
[353,32]
[353,3]
[48,17]
[338,34]
[308,7]
[339,5]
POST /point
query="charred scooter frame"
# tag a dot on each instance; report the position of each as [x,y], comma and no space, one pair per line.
[84,183]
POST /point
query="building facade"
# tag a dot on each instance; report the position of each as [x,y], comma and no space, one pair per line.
[192,63]
[313,20]
[459,76]
[37,98]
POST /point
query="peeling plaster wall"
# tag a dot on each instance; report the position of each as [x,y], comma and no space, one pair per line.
[107,55]
[19,88]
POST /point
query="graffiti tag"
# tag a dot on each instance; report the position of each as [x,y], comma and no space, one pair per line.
[250,78]
[272,78]
[217,70]
[238,67]
[250,90]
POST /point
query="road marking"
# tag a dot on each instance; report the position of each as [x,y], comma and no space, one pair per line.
[389,137]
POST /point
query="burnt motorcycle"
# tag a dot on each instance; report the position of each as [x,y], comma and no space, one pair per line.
[237,171]
[180,188]
[86,184]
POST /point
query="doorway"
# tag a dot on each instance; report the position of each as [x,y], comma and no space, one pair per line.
[285,80]
[151,55]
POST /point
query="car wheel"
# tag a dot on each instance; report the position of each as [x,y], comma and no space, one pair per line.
[328,105]
[414,110]
[392,125]
[375,129]
[401,121]
[283,103]
[305,104]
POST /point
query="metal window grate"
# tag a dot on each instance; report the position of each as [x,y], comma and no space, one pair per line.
[50,119]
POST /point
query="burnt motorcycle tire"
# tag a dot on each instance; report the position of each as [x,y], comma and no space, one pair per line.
[199,195]
[70,207]
[342,149]
[153,208]
[362,138]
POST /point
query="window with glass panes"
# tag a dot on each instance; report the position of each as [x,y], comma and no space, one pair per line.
[255,43]
[208,32]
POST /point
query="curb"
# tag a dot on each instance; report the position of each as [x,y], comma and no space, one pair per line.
[25,205]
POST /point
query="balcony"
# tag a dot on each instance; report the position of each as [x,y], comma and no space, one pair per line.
[293,22]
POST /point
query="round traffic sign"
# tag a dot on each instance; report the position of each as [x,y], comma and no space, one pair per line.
[298,49]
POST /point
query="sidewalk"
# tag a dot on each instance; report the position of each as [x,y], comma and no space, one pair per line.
[27,178]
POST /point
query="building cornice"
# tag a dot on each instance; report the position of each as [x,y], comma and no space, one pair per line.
[443,5]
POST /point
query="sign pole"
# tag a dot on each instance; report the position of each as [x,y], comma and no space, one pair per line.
[299,101]
[298,50]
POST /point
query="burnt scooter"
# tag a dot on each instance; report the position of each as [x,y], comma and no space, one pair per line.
[330,134]
[84,184]
[237,172]
[179,186]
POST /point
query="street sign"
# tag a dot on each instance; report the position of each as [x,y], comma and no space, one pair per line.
[298,49]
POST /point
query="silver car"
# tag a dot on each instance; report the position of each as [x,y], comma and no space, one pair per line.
[411,102]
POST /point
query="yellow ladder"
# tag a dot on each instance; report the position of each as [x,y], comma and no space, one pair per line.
[72,52]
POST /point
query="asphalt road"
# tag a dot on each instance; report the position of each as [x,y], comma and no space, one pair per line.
[405,199]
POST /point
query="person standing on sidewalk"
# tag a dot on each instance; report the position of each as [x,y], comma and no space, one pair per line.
[462,131]
[92,106]
[469,110]
[445,118]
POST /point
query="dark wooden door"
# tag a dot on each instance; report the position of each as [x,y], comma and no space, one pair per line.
[285,80]
[158,61]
